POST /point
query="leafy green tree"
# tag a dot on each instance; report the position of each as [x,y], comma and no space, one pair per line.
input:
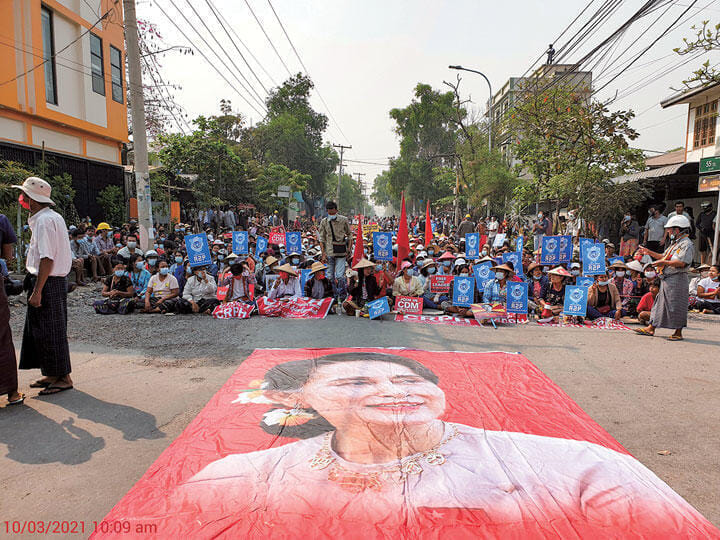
[270,179]
[112,200]
[351,201]
[706,39]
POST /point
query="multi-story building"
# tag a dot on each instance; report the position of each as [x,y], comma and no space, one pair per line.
[62,90]
[701,138]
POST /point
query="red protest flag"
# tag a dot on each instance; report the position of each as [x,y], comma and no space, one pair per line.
[403,242]
[358,251]
[428,226]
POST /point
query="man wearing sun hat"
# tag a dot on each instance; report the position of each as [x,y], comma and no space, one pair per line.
[48,263]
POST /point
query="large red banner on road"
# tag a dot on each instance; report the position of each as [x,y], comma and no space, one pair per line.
[294,308]
[397,443]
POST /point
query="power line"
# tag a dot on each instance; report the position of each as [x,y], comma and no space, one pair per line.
[268,38]
[663,122]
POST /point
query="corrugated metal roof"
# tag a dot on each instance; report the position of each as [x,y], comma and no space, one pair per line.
[691,167]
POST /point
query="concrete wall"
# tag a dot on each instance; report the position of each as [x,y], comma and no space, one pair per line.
[695,154]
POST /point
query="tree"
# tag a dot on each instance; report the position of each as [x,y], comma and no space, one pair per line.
[270,179]
[351,197]
[706,39]
[112,201]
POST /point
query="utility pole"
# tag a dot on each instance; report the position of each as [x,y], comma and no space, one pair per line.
[362,191]
[342,148]
[137,102]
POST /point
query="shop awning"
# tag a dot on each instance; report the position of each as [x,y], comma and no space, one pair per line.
[691,167]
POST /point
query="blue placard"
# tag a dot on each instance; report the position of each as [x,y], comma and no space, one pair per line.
[613,260]
[304,276]
[520,244]
[515,257]
[585,242]
[472,245]
[240,242]
[483,274]
[593,260]
[575,301]
[260,246]
[566,249]
[550,253]
[517,297]
[584,281]
[382,246]
[293,242]
[463,291]
[198,249]
[378,307]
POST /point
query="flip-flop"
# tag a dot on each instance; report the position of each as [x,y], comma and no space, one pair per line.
[51,390]
[643,332]
[40,384]
[675,338]
[17,401]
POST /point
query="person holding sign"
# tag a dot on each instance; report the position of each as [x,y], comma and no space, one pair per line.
[431,299]
[553,297]
[287,285]
[495,290]
[671,305]
[363,289]
[604,299]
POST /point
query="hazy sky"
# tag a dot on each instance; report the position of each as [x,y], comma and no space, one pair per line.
[366,56]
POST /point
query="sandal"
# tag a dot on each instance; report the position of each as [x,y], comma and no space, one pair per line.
[17,401]
[50,390]
[40,384]
[675,338]
[644,332]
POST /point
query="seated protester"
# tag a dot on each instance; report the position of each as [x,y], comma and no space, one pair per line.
[646,303]
[318,286]
[701,272]
[622,284]
[295,259]
[650,278]
[151,261]
[138,275]
[199,293]
[383,277]
[175,260]
[430,300]
[495,290]
[552,299]
[604,299]
[361,289]
[268,268]
[287,285]
[445,262]
[162,291]
[708,292]
[432,250]
[102,260]
[638,291]
[461,269]
[407,284]
[119,293]
[574,273]
[79,256]
[537,284]
[239,287]
[130,248]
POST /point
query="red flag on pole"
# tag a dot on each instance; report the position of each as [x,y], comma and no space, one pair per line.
[358,251]
[428,226]
[403,242]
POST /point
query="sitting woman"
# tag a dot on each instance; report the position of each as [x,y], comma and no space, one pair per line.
[239,287]
[461,269]
[384,277]
[430,300]
[118,292]
[645,305]
[318,286]
[362,289]
[638,286]
[138,275]
[604,299]
[445,263]
[495,290]
[287,285]
[162,291]
[553,297]
[537,285]
[407,283]
[623,284]
[199,293]
[708,292]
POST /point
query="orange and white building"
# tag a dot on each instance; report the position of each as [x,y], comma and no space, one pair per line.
[62,89]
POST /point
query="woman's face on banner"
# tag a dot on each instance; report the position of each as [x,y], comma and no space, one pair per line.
[371,392]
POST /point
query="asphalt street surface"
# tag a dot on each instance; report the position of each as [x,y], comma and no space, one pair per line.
[140,379]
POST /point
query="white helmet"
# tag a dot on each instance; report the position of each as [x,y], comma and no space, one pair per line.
[681,222]
[151,253]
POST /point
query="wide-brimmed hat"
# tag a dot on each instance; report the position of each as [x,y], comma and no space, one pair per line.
[559,271]
[363,263]
[404,265]
[504,266]
[533,266]
[287,268]
[270,260]
[635,265]
[703,267]
[316,267]
[446,256]
[37,189]
[428,262]
[618,265]
[232,256]
[485,259]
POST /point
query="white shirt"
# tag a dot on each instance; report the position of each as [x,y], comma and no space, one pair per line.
[49,241]
[709,285]
[282,290]
[196,290]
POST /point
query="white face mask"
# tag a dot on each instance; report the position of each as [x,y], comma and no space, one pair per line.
[620,273]
[650,274]
[500,274]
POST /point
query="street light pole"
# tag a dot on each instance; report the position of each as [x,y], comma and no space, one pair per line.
[490,112]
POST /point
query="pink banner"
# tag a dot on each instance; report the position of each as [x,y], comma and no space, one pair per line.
[294,308]
[436,319]
[233,310]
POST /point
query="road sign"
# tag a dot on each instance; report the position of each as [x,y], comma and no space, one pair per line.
[709,165]
[283,191]
[709,183]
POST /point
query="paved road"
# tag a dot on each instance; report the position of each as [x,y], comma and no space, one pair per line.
[141,379]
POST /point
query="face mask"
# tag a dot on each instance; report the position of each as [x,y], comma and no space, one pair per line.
[620,273]
[139,265]
[221,257]
[650,212]
[155,246]
[431,252]
[431,270]
[464,273]
[410,272]
[178,260]
[500,274]
[447,264]
[152,262]
[539,216]
[575,272]
[704,274]
[118,245]
[132,245]
[333,217]
[295,261]
[626,218]
[378,267]
[119,273]
[672,237]
[603,282]
[164,271]
[188,271]
[537,278]
[200,275]
[650,274]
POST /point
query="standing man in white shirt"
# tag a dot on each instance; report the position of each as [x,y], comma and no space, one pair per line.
[45,344]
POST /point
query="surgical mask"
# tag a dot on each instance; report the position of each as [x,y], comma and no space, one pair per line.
[537,278]
[178,260]
[155,246]
[333,217]
[620,273]
[295,261]
[132,245]
[705,274]
[546,269]
[672,237]
[464,273]
[118,245]
[500,274]
[431,252]
[188,271]
[410,272]
[540,216]
[119,273]
[378,267]
[165,271]
[139,265]
[603,282]
[575,272]
[650,274]
[152,262]
[431,270]
[447,264]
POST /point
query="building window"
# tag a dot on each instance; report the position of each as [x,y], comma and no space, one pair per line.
[48,40]
[705,120]
[116,74]
[96,65]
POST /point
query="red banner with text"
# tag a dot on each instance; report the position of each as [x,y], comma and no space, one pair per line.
[409,304]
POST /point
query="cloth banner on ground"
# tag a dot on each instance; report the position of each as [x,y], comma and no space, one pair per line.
[463,291]
[233,310]
[382,246]
[450,320]
[294,308]
[198,249]
[593,260]
[440,284]
[575,304]
[472,245]
[603,323]
[240,242]
[293,242]
[498,314]
[503,452]
[378,308]
[409,304]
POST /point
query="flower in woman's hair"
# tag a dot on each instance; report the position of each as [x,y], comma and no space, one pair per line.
[254,394]
[286,417]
